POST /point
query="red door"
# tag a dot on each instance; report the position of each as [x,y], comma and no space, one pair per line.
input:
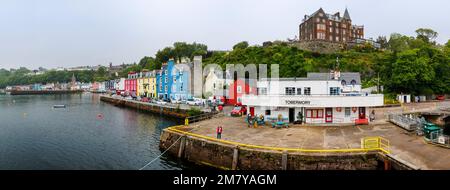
[328,115]
[252,111]
[362,112]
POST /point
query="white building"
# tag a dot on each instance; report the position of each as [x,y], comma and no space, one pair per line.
[320,98]
[214,83]
[119,84]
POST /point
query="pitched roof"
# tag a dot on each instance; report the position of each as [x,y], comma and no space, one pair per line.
[347,76]
[347,15]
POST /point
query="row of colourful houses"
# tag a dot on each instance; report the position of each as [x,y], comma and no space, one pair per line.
[174,81]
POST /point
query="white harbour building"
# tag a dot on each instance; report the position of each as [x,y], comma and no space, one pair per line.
[319,98]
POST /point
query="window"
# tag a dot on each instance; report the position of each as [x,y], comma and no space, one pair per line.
[165,72]
[337,38]
[317,19]
[314,113]
[181,87]
[320,14]
[353,82]
[343,82]
[166,79]
[290,90]
[334,90]
[337,31]
[331,29]
[321,27]
[331,38]
[165,88]
[262,91]
[307,91]
[174,79]
[347,112]
[267,112]
[239,89]
[299,91]
[321,35]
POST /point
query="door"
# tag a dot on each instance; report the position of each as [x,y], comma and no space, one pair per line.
[404,99]
[361,112]
[328,115]
[252,111]
[291,115]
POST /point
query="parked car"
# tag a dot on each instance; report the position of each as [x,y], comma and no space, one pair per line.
[193,102]
[161,102]
[239,111]
[440,97]
[175,101]
[145,99]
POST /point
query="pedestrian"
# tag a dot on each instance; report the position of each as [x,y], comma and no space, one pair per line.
[219,132]
[372,116]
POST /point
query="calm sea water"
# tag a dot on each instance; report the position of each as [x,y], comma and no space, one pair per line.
[34,135]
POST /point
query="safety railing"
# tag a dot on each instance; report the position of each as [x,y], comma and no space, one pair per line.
[201,117]
[368,144]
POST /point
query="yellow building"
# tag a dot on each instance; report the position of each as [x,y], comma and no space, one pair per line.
[146,84]
[151,87]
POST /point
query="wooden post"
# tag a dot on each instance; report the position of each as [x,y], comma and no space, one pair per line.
[387,165]
[235,158]
[182,145]
[284,160]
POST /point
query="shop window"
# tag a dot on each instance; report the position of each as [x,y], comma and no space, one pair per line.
[314,113]
[347,112]
[307,91]
[299,91]
[267,112]
[290,90]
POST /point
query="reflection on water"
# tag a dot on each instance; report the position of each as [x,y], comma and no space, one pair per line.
[88,134]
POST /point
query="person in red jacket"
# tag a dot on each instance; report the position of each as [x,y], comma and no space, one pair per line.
[219,132]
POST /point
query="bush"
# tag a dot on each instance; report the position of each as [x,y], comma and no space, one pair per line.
[194,111]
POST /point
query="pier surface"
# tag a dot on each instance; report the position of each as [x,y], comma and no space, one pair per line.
[404,146]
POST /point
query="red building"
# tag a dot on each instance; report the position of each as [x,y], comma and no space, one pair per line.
[237,89]
[131,83]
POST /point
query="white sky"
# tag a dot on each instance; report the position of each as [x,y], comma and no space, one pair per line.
[67,33]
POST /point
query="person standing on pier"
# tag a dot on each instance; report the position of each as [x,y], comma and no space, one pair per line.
[219,132]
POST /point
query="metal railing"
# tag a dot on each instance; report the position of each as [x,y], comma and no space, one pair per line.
[407,123]
[201,117]
[438,137]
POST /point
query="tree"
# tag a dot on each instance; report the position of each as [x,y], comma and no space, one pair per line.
[241,45]
[411,73]
[382,41]
[426,34]
[398,42]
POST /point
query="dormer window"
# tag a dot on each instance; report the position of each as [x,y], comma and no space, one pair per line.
[353,82]
[343,82]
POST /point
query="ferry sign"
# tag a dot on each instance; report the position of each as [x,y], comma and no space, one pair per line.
[291,102]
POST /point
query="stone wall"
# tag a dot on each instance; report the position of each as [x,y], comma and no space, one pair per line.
[318,46]
[220,155]
[173,112]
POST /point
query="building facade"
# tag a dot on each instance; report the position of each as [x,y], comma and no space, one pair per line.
[165,80]
[180,84]
[319,98]
[131,83]
[329,27]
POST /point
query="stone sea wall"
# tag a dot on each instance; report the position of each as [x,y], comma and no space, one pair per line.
[226,156]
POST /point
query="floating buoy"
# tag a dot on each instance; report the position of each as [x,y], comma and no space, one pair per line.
[99,116]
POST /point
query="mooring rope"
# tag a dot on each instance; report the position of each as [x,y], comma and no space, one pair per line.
[164,151]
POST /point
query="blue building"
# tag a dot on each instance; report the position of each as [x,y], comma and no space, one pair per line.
[181,82]
[165,80]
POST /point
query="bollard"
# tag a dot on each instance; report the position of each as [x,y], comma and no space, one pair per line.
[387,165]
[235,158]
[284,160]
[182,145]
[186,122]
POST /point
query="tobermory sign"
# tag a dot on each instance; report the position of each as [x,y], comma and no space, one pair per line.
[290,102]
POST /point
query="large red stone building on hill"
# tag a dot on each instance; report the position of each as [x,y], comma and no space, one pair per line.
[321,26]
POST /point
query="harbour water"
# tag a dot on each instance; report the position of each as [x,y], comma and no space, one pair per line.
[87,134]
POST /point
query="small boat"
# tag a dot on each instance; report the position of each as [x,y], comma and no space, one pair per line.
[59,106]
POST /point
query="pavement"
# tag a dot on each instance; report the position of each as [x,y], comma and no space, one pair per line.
[406,146]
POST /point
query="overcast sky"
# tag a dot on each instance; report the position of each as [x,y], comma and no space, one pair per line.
[67,33]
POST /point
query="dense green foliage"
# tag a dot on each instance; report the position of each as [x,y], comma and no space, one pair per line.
[405,64]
